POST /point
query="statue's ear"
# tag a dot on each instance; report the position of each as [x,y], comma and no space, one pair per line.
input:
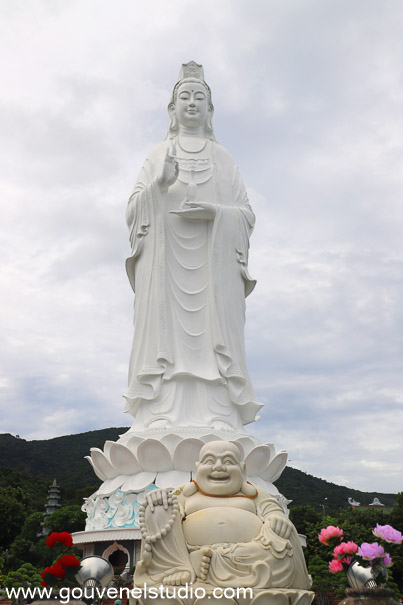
[243,468]
[209,122]
[172,119]
[247,489]
[189,489]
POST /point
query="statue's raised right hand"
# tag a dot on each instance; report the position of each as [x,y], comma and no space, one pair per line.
[157,497]
[169,171]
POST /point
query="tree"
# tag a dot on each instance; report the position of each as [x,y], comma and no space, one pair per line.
[12,513]
[301,516]
[323,582]
[68,518]
[26,575]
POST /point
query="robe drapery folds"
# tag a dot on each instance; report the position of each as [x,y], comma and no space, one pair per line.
[266,561]
[190,279]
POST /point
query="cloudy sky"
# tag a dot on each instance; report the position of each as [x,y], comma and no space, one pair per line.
[308,98]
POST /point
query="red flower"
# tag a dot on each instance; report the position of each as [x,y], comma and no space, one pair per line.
[57,571]
[68,561]
[45,571]
[63,537]
[43,583]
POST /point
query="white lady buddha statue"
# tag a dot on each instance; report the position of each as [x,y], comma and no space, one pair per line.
[190,222]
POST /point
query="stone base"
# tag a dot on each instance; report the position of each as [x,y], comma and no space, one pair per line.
[202,594]
[368,596]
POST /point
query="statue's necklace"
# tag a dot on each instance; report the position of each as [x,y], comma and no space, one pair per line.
[189,150]
[230,496]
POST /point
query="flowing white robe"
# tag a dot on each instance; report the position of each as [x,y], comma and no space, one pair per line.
[187,365]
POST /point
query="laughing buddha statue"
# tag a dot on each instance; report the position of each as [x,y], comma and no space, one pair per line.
[220,530]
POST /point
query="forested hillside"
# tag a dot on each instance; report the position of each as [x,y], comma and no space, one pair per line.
[62,458]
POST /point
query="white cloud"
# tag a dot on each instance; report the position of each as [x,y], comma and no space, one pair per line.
[308,100]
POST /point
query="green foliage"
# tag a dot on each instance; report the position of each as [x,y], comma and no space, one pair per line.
[32,492]
[26,575]
[61,458]
[12,513]
[68,518]
[34,465]
[302,516]
[357,525]
[323,580]
[20,551]
[304,489]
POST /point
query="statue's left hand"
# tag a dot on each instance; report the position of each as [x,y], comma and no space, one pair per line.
[197,211]
[280,525]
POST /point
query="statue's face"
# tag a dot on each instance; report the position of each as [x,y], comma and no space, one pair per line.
[219,470]
[191,105]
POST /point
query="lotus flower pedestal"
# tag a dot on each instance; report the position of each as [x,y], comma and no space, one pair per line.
[138,463]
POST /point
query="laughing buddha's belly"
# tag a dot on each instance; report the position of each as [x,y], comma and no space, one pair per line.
[219,524]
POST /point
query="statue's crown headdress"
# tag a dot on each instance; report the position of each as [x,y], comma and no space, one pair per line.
[191,70]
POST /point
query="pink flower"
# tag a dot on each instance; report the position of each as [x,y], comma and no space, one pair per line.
[339,553]
[345,548]
[387,533]
[335,566]
[350,547]
[371,551]
[330,535]
[387,560]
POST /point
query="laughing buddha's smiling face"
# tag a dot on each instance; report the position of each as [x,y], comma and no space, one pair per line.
[219,471]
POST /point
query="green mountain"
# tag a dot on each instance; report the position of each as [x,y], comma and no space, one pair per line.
[62,458]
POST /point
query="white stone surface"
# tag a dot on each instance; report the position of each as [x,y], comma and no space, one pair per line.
[219,530]
[172,452]
[190,220]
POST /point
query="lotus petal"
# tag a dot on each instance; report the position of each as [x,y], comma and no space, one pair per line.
[272,489]
[109,486]
[138,482]
[171,441]
[169,479]
[210,437]
[133,443]
[187,453]
[275,467]
[123,460]
[257,460]
[107,448]
[272,450]
[102,463]
[248,443]
[259,482]
[266,485]
[240,448]
[154,456]
[97,471]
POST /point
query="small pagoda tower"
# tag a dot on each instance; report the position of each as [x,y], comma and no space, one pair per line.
[52,505]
